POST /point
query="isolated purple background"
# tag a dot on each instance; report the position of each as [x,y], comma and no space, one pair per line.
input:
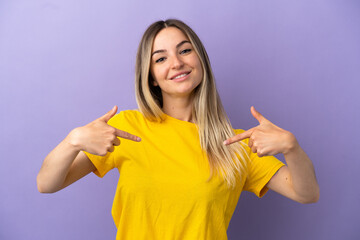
[65,63]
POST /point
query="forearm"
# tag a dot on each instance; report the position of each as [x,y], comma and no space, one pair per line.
[302,174]
[56,166]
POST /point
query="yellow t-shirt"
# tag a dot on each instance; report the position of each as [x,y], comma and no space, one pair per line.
[162,191]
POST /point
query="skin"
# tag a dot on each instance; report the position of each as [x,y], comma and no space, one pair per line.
[67,162]
[297,180]
[172,54]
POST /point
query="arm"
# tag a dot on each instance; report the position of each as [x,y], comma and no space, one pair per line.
[66,163]
[297,180]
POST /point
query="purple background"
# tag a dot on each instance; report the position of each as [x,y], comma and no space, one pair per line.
[66,63]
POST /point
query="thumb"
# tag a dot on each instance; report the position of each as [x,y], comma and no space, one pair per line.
[257,115]
[109,114]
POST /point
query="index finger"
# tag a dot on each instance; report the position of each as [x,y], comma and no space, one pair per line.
[127,135]
[239,137]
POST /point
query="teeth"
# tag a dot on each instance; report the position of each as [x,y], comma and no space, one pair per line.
[180,76]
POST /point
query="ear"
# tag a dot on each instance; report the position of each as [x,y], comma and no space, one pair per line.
[152,80]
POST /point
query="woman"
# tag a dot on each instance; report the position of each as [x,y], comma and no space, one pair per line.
[183,178]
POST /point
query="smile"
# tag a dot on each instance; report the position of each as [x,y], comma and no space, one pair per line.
[180,76]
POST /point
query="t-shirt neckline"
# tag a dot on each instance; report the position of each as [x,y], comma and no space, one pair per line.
[172,119]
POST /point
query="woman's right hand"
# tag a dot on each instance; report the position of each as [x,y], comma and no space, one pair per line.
[98,137]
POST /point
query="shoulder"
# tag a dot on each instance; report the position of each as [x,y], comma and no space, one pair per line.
[238,131]
[126,116]
[131,114]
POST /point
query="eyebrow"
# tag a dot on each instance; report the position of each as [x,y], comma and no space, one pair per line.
[177,46]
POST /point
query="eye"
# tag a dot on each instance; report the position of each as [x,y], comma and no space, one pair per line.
[185,51]
[160,60]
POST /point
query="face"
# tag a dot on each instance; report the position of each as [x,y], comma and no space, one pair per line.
[175,66]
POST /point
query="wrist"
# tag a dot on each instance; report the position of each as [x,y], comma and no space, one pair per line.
[72,139]
[292,144]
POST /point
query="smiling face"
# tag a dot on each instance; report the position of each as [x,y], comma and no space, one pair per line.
[175,66]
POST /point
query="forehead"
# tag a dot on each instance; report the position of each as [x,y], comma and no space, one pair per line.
[168,37]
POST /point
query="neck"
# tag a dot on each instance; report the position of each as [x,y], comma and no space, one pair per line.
[179,108]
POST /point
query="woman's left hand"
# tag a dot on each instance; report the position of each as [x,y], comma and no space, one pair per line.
[266,138]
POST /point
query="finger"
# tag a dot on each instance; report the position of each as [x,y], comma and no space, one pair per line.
[262,153]
[239,137]
[254,149]
[127,135]
[251,142]
[116,142]
[111,149]
[257,115]
[109,114]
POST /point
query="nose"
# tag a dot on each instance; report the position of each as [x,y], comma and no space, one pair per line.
[177,63]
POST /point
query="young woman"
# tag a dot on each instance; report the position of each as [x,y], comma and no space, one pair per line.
[183,178]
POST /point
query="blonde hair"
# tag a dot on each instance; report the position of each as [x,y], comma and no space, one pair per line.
[208,112]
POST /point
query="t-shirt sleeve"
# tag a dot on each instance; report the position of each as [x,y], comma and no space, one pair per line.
[260,171]
[104,164]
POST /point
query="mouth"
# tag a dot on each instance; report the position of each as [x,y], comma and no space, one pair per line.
[180,75]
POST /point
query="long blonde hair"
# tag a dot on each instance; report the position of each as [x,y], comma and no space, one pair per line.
[208,112]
